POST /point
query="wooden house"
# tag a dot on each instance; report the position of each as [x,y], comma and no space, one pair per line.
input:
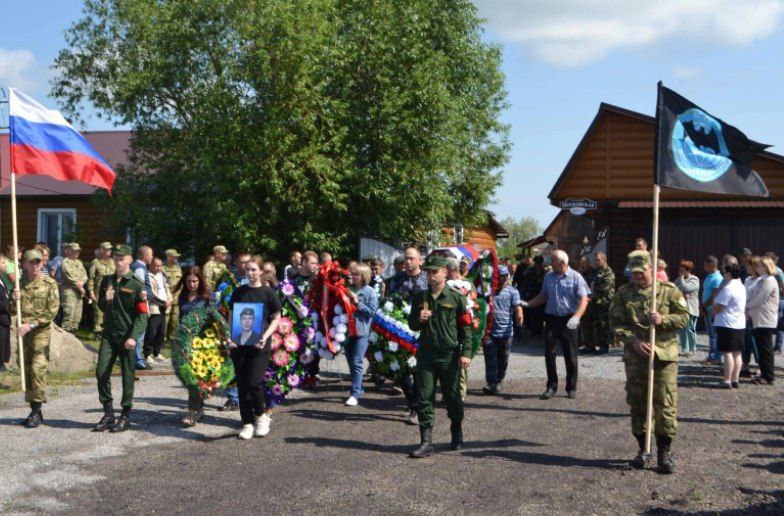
[482,237]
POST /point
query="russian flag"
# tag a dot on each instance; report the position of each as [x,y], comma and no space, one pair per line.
[44,143]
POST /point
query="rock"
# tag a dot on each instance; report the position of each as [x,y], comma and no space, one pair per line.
[67,354]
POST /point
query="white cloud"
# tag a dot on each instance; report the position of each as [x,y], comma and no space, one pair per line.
[571,33]
[16,68]
[687,73]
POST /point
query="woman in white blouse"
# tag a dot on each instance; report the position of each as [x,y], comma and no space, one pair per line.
[729,311]
[762,305]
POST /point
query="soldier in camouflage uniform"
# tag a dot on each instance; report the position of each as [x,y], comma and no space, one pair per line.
[39,302]
[74,279]
[603,290]
[99,269]
[173,273]
[630,318]
[587,339]
[213,269]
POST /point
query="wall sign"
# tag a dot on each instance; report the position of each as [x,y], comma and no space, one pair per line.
[578,206]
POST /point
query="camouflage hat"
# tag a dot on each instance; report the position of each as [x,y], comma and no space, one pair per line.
[452,263]
[120,249]
[639,261]
[32,254]
[106,245]
[172,252]
[248,311]
[74,246]
[435,262]
[219,249]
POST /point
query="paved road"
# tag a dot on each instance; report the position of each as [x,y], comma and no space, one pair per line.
[523,455]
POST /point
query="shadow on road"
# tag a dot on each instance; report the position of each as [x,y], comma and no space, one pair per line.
[322,442]
[546,459]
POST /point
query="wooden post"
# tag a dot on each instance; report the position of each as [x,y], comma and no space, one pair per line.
[652,334]
[17,265]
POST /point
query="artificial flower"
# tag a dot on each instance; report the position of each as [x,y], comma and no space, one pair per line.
[310,334]
[338,309]
[280,358]
[292,380]
[411,361]
[275,341]
[393,346]
[303,311]
[407,309]
[389,307]
[340,337]
[287,289]
[379,356]
[291,343]
[285,326]
[394,366]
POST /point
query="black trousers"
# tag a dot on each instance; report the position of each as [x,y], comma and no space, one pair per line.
[250,364]
[153,337]
[534,319]
[764,339]
[408,384]
[556,333]
[5,344]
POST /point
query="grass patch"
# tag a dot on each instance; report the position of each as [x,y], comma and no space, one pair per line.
[12,379]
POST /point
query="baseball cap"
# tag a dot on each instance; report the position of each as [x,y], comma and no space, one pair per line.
[219,249]
[32,254]
[639,261]
[172,252]
[503,270]
[106,245]
[74,246]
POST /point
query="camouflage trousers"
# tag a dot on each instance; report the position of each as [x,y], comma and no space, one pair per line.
[172,320]
[97,318]
[36,360]
[72,309]
[665,394]
[587,337]
[602,333]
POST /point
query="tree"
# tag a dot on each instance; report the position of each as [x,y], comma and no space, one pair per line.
[520,230]
[272,124]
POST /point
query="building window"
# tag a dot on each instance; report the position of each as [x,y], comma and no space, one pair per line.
[55,226]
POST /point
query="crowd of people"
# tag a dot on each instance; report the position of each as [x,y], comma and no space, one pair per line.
[135,307]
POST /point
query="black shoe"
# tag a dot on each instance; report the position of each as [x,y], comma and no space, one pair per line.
[571,394]
[425,447]
[642,458]
[412,418]
[495,389]
[142,367]
[546,395]
[457,436]
[122,424]
[603,350]
[666,464]
[229,406]
[745,373]
[34,420]
[486,389]
[735,385]
[106,422]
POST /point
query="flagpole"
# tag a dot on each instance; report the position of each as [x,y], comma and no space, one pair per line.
[652,332]
[19,341]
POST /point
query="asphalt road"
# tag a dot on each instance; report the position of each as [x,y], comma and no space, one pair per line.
[522,455]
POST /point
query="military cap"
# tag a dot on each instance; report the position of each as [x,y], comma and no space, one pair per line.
[503,270]
[106,245]
[639,261]
[219,249]
[248,311]
[123,249]
[452,263]
[32,254]
[435,262]
[172,252]
[74,246]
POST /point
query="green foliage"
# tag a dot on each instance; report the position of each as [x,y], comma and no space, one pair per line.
[273,124]
[519,231]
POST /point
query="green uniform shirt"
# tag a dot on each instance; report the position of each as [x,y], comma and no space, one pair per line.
[98,270]
[40,301]
[603,286]
[629,317]
[126,315]
[174,275]
[448,329]
[212,271]
[73,272]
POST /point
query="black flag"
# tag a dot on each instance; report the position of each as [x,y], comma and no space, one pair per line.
[697,151]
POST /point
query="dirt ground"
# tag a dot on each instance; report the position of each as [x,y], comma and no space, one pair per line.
[522,456]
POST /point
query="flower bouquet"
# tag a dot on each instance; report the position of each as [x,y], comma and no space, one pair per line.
[392,343]
[200,354]
[292,346]
[224,288]
[328,296]
[486,280]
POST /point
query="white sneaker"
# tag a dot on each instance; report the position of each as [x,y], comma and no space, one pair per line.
[262,425]
[246,432]
[150,361]
[352,402]
[160,358]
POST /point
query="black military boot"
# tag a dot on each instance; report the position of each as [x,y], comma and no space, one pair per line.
[457,435]
[425,447]
[35,418]
[107,420]
[666,464]
[123,423]
[642,458]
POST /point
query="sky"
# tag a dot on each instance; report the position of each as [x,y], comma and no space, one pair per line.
[562,58]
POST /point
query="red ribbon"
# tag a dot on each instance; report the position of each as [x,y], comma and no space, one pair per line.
[330,281]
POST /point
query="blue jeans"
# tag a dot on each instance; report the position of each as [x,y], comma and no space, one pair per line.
[140,350]
[713,349]
[496,359]
[688,336]
[233,394]
[780,334]
[355,355]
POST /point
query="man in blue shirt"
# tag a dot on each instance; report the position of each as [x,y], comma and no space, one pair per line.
[565,296]
[139,269]
[710,287]
[507,314]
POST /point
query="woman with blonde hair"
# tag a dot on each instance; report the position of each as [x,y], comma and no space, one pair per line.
[763,306]
[365,298]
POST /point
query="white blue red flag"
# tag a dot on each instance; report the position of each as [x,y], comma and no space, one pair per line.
[44,143]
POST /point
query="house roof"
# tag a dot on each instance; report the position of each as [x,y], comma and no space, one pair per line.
[610,108]
[112,145]
[500,231]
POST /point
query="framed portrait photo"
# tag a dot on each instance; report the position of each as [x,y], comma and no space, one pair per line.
[247,323]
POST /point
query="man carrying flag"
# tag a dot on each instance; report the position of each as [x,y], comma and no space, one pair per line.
[694,151]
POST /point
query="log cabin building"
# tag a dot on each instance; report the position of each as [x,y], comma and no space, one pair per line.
[55,211]
[613,166]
